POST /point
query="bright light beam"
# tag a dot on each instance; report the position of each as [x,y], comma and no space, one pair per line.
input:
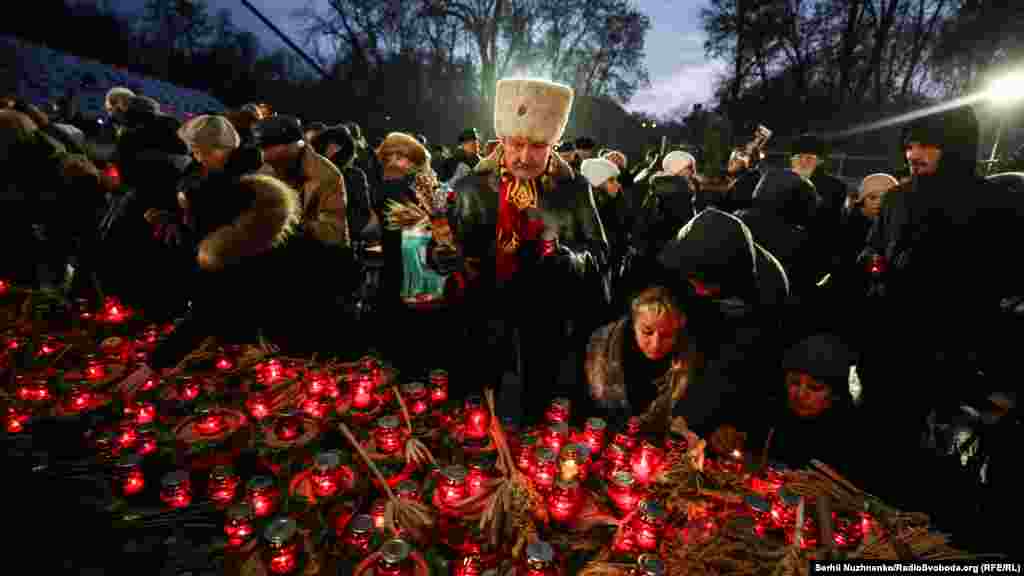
[1002,92]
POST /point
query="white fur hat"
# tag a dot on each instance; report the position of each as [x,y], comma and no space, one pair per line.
[676,161]
[597,171]
[533,109]
[209,132]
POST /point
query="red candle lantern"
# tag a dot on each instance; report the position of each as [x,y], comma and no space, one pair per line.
[387,435]
[258,406]
[127,435]
[114,312]
[540,559]
[362,391]
[615,459]
[262,495]
[408,490]
[94,369]
[394,559]
[176,490]
[289,426]
[16,419]
[649,565]
[4,287]
[622,491]
[556,436]
[149,384]
[645,463]
[209,422]
[326,474]
[572,462]
[358,534]
[477,419]
[141,412]
[238,524]
[284,545]
[545,468]
[317,407]
[633,426]
[478,474]
[438,387]
[783,509]
[224,364]
[146,444]
[416,398]
[150,335]
[129,474]
[877,265]
[79,398]
[188,389]
[558,411]
[379,512]
[223,485]
[272,371]
[648,525]
[37,391]
[527,447]
[565,501]
[452,488]
[593,435]
[469,565]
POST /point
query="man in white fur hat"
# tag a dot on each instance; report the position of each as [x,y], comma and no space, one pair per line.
[532,244]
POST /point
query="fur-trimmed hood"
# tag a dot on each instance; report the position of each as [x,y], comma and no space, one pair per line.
[267,222]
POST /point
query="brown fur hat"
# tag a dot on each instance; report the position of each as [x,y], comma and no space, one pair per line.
[405,144]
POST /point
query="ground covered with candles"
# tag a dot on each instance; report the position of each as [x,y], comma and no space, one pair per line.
[243,462]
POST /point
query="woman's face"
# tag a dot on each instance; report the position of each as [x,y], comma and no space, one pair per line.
[808,398]
[656,333]
[872,205]
[396,164]
[211,158]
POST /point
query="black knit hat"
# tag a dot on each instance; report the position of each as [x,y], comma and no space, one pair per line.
[339,136]
[585,143]
[825,358]
[808,144]
[565,148]
[469,135]
[955,131]
[277,130]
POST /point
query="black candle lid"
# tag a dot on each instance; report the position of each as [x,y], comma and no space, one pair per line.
[239,511]
[561,403]
[361,524]
[414,389]
[326,461]
[597,424]
[175,479]
[129,460]
[623,478]
[758,504]
[280,531]
[455,473]
[540,551]
[221,473]
[651,565]
[395,551]
[651,511]
[390,422]
[260,483]
[544,454]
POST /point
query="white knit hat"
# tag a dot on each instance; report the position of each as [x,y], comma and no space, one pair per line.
[676,161]
[597,171]
[533,109]
[210,132]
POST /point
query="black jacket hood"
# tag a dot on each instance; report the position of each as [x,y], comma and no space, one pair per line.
[722,249]
[787,195]
[825,358]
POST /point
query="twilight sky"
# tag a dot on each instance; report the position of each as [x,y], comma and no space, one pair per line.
[680,73]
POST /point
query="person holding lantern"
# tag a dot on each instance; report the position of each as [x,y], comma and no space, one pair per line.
[531,245]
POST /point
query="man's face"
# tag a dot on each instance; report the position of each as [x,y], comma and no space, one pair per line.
[804,164]
[808,398]
[472,147]
[524,159]
[923,158]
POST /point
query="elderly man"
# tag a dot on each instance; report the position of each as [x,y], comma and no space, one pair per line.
[533,246]
[320,185]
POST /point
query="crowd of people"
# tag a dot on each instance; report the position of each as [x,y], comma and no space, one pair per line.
[740,311]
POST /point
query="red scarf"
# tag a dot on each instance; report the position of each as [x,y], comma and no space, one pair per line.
[513,227]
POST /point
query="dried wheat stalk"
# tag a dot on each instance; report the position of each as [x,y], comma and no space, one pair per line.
[415,451]
[410,515]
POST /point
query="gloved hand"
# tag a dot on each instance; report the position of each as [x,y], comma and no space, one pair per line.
[443,259]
